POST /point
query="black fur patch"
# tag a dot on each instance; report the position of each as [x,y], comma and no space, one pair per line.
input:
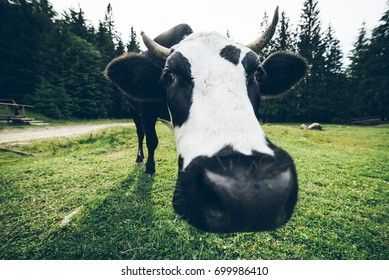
[179,65]
[231,53]
[250,63]
[180,163]
[179,91]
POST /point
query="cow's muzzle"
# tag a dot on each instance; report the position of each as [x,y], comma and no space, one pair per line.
[232,192]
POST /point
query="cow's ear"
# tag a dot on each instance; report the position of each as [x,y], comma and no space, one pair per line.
[136,76]
[283,71]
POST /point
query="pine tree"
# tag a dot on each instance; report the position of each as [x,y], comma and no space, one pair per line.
[377,82]
[333,53]
[81,80]
[109,24]
[368,72]
[49,96]
[333,99]
[120,49]
[104,43]
[78,24]
[310,45]
[57,64]
[110,46]
[356,73]
[133,44]
[358,53]
[284,37]
[23,26]
[46,99]
[268,49]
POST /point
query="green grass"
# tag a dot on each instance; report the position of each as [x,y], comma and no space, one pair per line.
[342,212]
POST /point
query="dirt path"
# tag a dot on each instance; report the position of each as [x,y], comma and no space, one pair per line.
[37,133]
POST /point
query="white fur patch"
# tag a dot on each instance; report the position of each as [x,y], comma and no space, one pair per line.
[221,113]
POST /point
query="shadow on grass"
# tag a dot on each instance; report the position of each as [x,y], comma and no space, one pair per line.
[110,227]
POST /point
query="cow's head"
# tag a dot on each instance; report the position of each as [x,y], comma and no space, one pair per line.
[231,177]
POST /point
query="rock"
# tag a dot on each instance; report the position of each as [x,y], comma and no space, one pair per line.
[315,126]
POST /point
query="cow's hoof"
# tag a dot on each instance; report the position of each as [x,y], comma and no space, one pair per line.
[150,169]
[150,175]
[139,160]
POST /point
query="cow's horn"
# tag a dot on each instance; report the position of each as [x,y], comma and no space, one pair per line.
[154,47]
[262,41]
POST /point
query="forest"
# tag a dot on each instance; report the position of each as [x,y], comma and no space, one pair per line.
[56,63]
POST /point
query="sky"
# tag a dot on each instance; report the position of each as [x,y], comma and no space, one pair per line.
[242,18]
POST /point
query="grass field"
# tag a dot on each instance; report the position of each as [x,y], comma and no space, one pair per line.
[342,212]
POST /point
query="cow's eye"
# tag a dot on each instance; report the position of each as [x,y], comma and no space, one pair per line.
[260,74]
[167,78]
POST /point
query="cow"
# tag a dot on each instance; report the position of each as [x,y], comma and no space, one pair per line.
[146,114]
[231,177]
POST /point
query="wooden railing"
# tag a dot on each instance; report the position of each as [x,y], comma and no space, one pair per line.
[12,111]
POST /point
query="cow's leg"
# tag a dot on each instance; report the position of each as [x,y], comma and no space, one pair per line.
[141,134]
[151,142]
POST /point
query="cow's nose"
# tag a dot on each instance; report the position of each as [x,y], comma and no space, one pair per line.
[235,192]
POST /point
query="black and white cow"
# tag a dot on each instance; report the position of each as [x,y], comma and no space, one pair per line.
[231,177]
[146,113]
